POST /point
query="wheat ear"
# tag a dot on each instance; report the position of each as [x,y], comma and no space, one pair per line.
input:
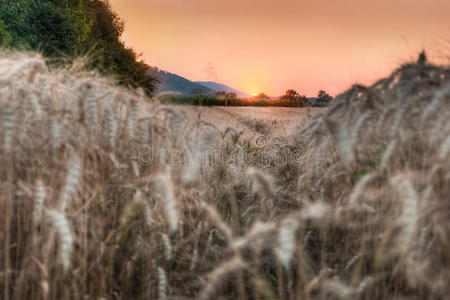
[65,236]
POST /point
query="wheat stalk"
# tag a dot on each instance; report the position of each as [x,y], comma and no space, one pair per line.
[408,218]
[217,276]
[445,148]
[8,123]
[167,246]
[72,180]
[65,236]
[39,198]
[132,118]
[287,242]
[360,187]
[390,151]
[162,284]
[164,190]
[261,181]
[214,216]
[56,133]
[344,141]
[92,109]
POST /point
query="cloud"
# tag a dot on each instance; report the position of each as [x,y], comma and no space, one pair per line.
[211,73]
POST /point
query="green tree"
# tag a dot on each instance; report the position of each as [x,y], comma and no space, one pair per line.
[52,30]
[71,28]
[108,52]
[12,15]
[5,36]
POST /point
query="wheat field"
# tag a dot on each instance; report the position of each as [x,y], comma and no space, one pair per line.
[274,121]
[106,194]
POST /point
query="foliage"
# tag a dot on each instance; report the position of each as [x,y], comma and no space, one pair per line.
[227,100]
[5,36]
[323,95]
[293,95]
[73,28]
[261,96]
[322,100]
[226,95]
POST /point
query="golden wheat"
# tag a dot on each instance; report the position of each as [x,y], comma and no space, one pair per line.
[108,194]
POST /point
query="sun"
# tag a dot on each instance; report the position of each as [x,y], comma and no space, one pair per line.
[254,94]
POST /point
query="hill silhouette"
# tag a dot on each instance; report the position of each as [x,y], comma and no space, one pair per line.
[219,87]
[176,83]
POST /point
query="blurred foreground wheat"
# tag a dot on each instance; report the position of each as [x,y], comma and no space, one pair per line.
[105,195]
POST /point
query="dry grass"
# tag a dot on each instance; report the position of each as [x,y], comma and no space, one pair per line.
[98,200]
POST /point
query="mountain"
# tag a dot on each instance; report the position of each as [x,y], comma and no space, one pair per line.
[223,88]
[175,83]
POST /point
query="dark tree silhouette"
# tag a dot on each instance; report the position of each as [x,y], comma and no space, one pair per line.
[230,95]
[221,94]
[293,95]
[323,99]
[261,96]
[323,95]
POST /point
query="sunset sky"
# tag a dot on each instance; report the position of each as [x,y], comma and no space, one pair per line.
[273,45]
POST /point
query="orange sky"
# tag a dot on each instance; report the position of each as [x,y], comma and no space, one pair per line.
[273,45]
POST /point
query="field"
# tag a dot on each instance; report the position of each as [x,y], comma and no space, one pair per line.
[250,120]
[107,194]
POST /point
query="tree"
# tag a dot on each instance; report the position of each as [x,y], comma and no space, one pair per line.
[12,15]
[230,95]
[5,36]
[71,28]
[323,99]
[291,94]
[294,96]
[52,29]
[221,94]
[197,91]
[323,95]
[261,96]
[108,53]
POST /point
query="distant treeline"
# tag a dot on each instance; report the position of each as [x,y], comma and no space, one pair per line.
[203,100]
[290,99]
[72,28]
